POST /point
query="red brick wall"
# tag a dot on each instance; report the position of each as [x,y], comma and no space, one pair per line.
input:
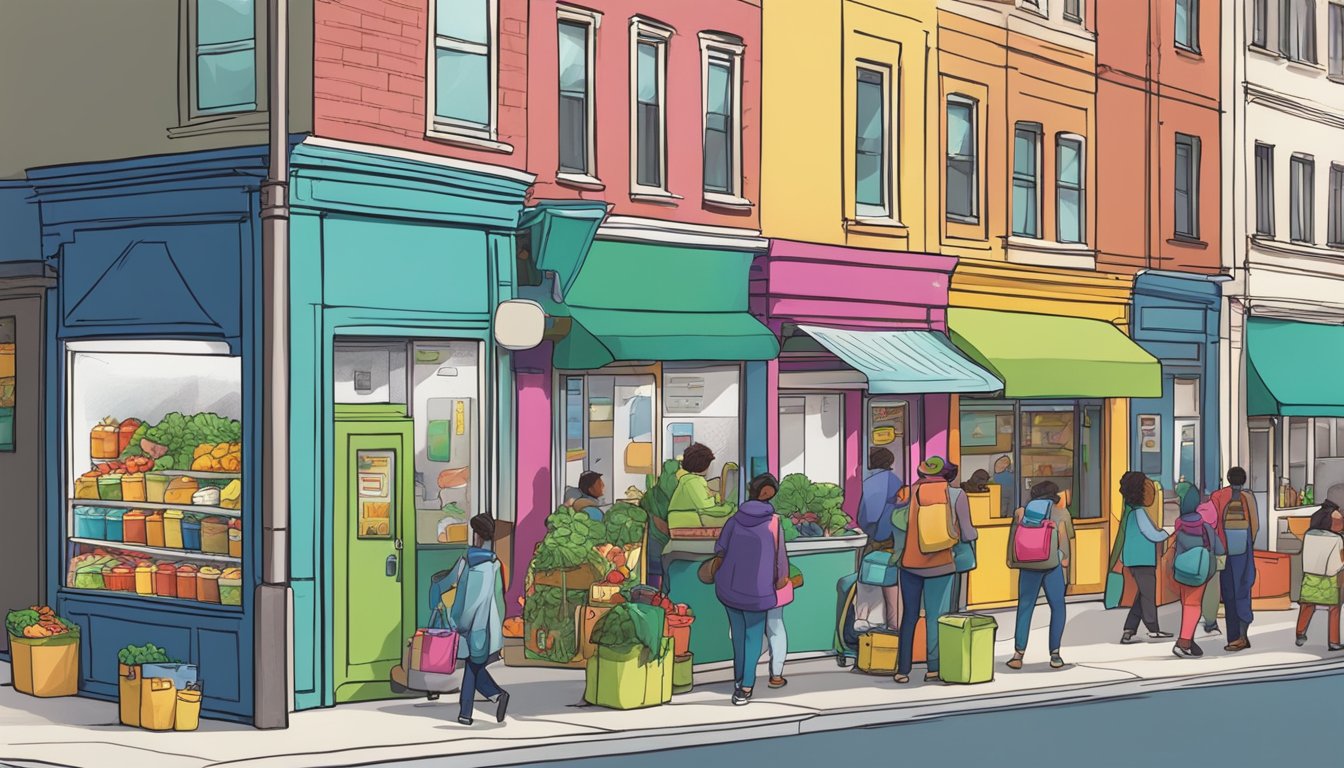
[370,60]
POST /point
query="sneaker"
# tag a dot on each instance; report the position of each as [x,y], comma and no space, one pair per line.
[501,706]
[1335,647]
[1195,650]
[741,696]
[464,721]
[1301,640]
[1160,635]
[1127,638]
[1056,661]
[1180,651]
[778,682]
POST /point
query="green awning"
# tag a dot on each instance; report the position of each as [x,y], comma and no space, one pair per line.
[598,337]
[562,232]
[1060,357]
[905,362]
[1281,381]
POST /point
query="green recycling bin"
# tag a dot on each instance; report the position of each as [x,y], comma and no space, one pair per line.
[966,648]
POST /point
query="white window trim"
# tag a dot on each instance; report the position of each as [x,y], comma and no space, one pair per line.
[711,46]
[197,122]
[1039,176]
[890,213]
[976,203]
[588,178]
[649,31]
[1337,77]
[1082,188]
[458,131]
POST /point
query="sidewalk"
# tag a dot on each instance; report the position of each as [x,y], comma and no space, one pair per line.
[546,723]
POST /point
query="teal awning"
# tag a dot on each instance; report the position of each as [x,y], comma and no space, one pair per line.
[1294,368]
[562,232]
[905,362]
[598,337]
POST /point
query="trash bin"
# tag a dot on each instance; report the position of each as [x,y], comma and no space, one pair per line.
[966,648]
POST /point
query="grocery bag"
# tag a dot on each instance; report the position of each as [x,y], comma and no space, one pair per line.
[182,675]
[128,694]
[966,648]
[435,651]
[629,678]
[187,713]
[158,704]
[879,569]
[45,666]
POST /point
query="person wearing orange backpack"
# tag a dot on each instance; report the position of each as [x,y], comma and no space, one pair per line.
[938,520]
[1240,524]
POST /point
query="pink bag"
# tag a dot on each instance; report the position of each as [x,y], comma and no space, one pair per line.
[1033,544]
[434,651]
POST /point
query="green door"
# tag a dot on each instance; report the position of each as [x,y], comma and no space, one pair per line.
[373,516]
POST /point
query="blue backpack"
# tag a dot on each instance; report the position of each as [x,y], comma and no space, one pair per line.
[1037,512]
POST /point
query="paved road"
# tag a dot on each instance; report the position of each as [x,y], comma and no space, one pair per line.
[1292,722]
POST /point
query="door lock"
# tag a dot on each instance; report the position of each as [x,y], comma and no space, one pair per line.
[392,563]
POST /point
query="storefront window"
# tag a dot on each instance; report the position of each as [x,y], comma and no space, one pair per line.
[370,372]
[889,427]
[446,386]
[155,470]
[8,360]
[988,442]
[810,436]
[702,404]
[608,429]
[1047,448]
[1297,457]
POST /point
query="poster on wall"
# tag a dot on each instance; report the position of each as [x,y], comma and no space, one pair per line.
[979,430]
[1150,433]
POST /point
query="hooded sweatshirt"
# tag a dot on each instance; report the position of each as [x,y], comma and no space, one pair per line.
[752,560]
[478,610]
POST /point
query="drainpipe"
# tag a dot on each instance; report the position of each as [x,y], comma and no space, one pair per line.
[271,637]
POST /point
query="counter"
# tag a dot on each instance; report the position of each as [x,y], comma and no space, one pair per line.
[810,618]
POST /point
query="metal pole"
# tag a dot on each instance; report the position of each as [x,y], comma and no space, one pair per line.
[271,636]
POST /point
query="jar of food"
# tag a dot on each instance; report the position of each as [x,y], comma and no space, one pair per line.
[235,538]
[165,580]
[207,584]
[231,586]
[104,440]
[191,534]
[91,523]
[109,487]
[133,527]
[172,528]
[86,486]
[119,577]
[133,487]
[215,535]
[154,529]
[156,484]
[180,490]
[186,581]
[115,524]
[144,578]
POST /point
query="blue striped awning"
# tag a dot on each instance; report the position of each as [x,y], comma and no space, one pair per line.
[905,362]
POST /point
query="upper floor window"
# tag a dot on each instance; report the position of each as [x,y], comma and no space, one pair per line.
[1302,198]
[649,121]
[1073,10]
[1335,235]
[1187,186]
[1070,200]
[1026,180]
[721,65]
[963,184]
[222,67]
[871,143]
[576,140]
[1297,30]
[1039,6]
[1264,189]
[1336,49]
[1187,24]
[462,73]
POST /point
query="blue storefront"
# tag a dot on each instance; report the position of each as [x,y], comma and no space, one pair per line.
[1176,436]
[152,337]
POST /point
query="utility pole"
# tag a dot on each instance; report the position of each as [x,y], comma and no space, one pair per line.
[271,635]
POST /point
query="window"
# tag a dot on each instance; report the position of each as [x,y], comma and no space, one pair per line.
[649,60]
[1260,23]
[1297,30]
[1187,186]
[811,437]
[722,68]
[462,81]
[1264,189]
[1073,10]
[889,425]
[1187,24]
[1335,235]
[447,392]
[223,62]
[1336,49]
[963,188]
[1038,6]
[8,380]
[871,179]
[576,93]
[608,428]
[1026,180]
[1297,458]
[1302,198]
[1070,203]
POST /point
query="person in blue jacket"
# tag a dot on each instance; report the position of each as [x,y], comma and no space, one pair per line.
[1138,553]
[881,486]
[478,616]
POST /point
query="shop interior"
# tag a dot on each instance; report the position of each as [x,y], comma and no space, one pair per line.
[811,436]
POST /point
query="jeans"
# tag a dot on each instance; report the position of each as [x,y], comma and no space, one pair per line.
[1307,610]
[1029,584]
[936,594]
[1192,606]
[1145,602]
[776,639]
[748,632]
[1237,580]
[476,679]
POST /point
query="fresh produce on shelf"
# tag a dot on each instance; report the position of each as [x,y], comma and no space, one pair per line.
[173,442]
[220,457]
[135,655]
[126,433]
[231,495]
[626,524]
[814,509]
[569,542]
[37,621]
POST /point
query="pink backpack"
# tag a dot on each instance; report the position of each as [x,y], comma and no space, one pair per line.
[1034,544]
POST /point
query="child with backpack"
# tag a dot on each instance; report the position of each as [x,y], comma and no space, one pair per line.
[1039,545]
[1197,545]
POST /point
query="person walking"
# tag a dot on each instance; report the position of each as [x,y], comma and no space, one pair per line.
[937,521]
[1212,591]
[1193,534]
[1138,553]
[751,571]
[1322,566]
[881,489]
[763,488]
[1040,543]
[478,617]
[1240,526]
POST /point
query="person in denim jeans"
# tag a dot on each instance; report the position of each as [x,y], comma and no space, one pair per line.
[1048,574]
[1239,529]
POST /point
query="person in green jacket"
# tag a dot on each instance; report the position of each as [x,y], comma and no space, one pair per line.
[1137,548]
[692,494]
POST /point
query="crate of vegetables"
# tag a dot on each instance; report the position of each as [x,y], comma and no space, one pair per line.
[45,652]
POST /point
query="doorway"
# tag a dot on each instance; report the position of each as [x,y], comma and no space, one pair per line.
[21,449]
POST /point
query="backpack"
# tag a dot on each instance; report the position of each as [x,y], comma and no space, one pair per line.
[933,515]
[1034,538]
[1194,566]
[1234,514]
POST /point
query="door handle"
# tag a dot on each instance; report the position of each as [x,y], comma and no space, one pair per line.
[392,566]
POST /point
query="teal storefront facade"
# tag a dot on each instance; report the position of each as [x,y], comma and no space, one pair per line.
[397,268]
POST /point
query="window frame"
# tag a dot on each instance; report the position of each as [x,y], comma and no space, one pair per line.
[452,128]
[1081,188]
[1334,232]
[1192,192]
[889,210]
[1296,207]
[730,50]
[592,22]
[644,30]
[220,119]
[1264,204]
[973,106]
[1334,44]
[1290,45]
[1036,131]
[1073,11]
[1191,44]
[1259,13]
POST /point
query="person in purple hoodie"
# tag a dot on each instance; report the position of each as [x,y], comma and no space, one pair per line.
[751,570]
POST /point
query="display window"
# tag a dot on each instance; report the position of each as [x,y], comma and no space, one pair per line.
[811,436]
[608,427]
[1308,463]
[8,362]
[155,470]
[889,426]
[703,404]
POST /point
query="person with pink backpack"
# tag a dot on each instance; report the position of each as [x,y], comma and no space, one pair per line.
[1039,545]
